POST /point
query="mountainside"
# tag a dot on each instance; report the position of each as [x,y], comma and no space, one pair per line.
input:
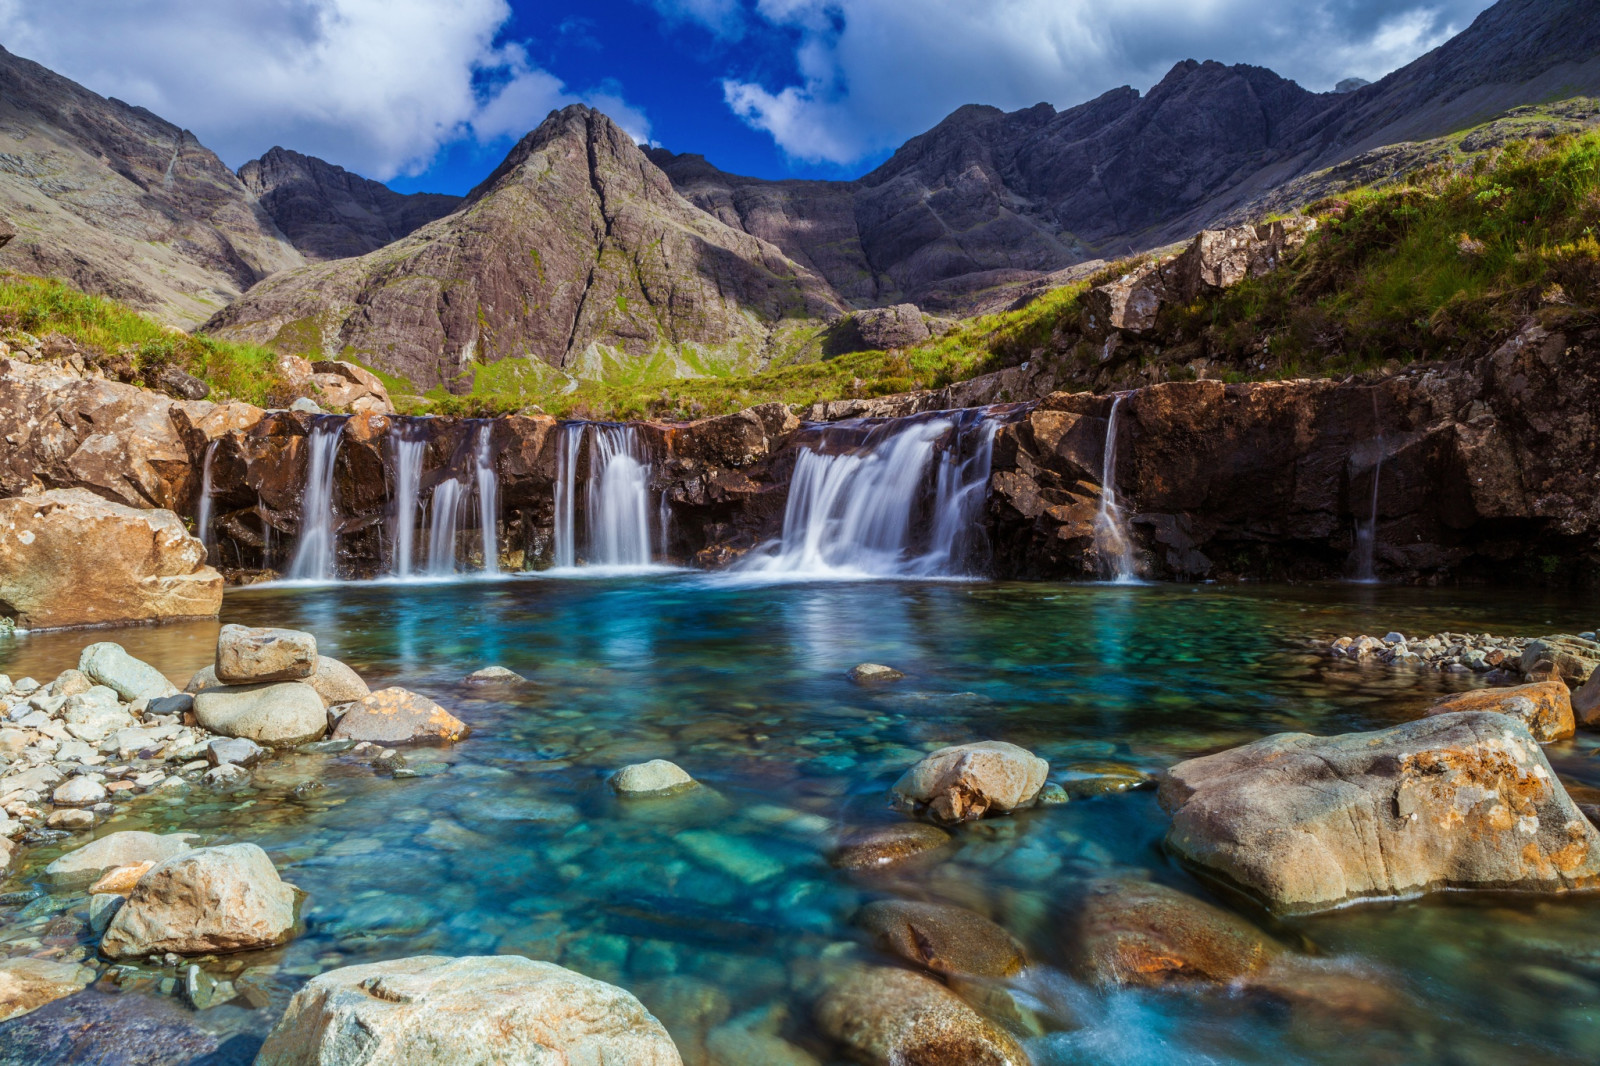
[327,212]
[575,251]
[987,198]
[119,202]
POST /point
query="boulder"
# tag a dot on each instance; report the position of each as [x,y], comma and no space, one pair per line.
[877,329]
[248,655]
[1572,659]
[495,675]
[78,792]
[109,665]
[85,865]
[70,558]
[345,386]
[235,751]
[1545,707]
[656,777]
[881,846]
[870,672]
[892,1017]
[942,938]
[227,777]
[27,984]
[967,781]
[1586,701]
[1455,800]
[280,714]
[336,683]
[398,716]
[202,902]
[94,715]
[472,1011]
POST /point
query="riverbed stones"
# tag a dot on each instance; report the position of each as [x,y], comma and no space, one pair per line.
[871,673]
[247,655]
[1545,707]
[470,1011]
[887,845]
[277,714]
[110,665]
[495,675]
[1565,657]
[26,984]
[78,792]
[893,1017]
[1307,823]
[85,865]
[201,902]
[240,751]
[942,938]
[94,715]
[967,781]
[398,716]
[658,777]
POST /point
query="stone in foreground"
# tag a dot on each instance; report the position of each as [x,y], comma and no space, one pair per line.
[870,672]
[654,778]
[1544,707]
[472,1011]
[85,865]
[70,558]
[278,714]
[1308,823]
[398,716]
[27,984]
[248,655]
[967,781]
[945,939]
[109,665]
[206,901]
[890,1017]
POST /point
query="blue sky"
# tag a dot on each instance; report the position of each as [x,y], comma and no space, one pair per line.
[429,94]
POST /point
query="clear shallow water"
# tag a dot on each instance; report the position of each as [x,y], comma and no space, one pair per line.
[719,903]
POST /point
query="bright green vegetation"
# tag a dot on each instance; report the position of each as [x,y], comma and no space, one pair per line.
[129,347]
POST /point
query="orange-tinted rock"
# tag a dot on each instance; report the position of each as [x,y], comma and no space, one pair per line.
[942,938]
[887,845]
[120,882]
[891,1017]
[398,716]
[1544,707]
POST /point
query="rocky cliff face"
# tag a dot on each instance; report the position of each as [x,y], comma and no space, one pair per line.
[119,202]
[327,212]
[575,251]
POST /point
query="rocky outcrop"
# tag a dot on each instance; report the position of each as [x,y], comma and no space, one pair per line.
[70,558]
[433,1011]
[878,329]
[967,781]
[575,249]
[327,212]
[885,846]
[1308,823]
[203,902]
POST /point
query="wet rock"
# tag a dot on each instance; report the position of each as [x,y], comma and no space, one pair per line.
[887,845]
[656,777]
[278,714]
[968,781]
[85,865]
[891,1017]
[71,820]
[70,558]
[229,777]
[1586,701]
[336,683]
[103,906]
[1143,934]
[124,1030]
[1572,659]
[206,901]
[433,1011]
[120,881]
[28,984]
[202,990]
[1081,780]
[495,675]
[109,665]
[1306,823]
[254,655]
[1544,707]
[239,751]
[398,716]
[942,938]
[867,673]
[78,792]
[180,704]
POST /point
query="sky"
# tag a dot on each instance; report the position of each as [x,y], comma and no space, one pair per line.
[430,94]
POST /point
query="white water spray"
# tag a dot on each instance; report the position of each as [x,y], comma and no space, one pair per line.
[1367,533]
[409,448]
[1112,543]
[616,497]
[448,496]
[314,554]
[202,521]
[488,498]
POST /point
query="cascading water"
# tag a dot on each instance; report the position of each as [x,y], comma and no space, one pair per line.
[1367,533]
[565,550]
[616,497]
[202,520]
[448,497]
[314,555]
[488,498]
[409,446]
[904,501]
[1112,543]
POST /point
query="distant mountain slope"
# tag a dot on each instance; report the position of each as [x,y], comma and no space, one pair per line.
[575,251]
[122,203]
[328,212]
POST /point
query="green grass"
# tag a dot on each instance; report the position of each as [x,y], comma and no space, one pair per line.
[129,347]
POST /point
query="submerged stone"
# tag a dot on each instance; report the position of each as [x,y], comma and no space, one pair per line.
[27,984]
[867,673]
[942,938]
[883,846]
[656,777]
[87,864]
[892,1017]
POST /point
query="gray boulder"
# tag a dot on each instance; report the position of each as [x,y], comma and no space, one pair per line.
[239,751]
[336,683]
[279,714]
[656,777]
[94,715]
[202,902]
[1308,823]
[109,665]
[85,865]
[248,655]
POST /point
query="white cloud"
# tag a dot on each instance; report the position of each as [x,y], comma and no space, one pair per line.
[874,72]
[374,85]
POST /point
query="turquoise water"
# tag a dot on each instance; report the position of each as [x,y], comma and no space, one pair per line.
[722,902]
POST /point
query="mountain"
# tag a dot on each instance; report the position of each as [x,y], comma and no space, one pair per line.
[989,199]
[327,212]
[122,203]
[576,251]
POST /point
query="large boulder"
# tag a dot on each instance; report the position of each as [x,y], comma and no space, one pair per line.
[27,984]
[70,558]
[891,1017]
[967,781]
[942,938]
[656,777]
[1456,800]
[86,865]
[202,902]
[472,1011]
[1545,707]
[247,655]
[398,716]
[109,665]
[336,683]
[279,714]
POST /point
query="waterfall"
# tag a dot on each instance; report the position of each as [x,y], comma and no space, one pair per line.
[409,446]
[565,551]
[488,498]
[896,498]
[448,497]
[202,521]
[314,555]
[1111,540]
[617,509]
[1367,533]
